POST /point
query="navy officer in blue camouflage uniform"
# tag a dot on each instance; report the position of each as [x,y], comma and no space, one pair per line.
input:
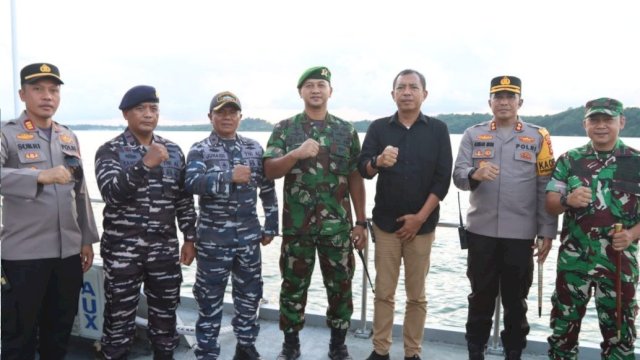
[141,179]
[225,171]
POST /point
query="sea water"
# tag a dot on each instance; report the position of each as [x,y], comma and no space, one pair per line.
[447,284]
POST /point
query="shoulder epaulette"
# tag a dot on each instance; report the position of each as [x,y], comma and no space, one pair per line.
[62,126]
[533,125]
[484,123]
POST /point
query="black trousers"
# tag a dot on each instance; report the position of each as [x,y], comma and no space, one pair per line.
[40,307]
[503,263]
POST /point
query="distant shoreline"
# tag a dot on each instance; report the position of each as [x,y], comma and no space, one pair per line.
[566,123]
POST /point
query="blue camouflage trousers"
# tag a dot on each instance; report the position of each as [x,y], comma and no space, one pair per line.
[215,265]
[123,278]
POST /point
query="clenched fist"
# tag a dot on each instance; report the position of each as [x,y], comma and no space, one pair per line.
[241,174]
[308,149]
[56,175]
[156,154]
[580,197]
[487,171]
[388,157]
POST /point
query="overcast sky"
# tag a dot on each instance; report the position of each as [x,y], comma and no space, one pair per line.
[566,52]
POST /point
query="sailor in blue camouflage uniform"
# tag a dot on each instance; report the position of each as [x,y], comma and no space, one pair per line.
[141,179]
[225,171]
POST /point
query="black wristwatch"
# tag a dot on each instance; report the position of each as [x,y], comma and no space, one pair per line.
[471,173]
[563,201]
[361,223]
[374,159]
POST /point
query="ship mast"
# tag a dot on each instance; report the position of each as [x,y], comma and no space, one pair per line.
[14,59]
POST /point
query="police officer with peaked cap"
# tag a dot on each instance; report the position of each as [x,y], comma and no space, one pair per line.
[48,224]
[506,164]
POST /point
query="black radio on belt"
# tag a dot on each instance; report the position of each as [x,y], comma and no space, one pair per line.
[462,230]
[75,167]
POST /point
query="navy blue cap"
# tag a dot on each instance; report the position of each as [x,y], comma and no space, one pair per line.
[138,94]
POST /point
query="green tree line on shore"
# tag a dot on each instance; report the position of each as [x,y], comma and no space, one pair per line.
[566,123]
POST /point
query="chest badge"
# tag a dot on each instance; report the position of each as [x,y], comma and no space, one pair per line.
[25,136]
[66,138]
[31,155]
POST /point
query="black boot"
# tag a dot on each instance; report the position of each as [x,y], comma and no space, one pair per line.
[162,355]
[476,352]
[246,353]
[337,348]
[375,356]
[512,354]
[290,347]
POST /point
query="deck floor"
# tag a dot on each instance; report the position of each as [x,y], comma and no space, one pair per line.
[314,339]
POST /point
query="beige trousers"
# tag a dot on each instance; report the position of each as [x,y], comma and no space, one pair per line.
[390,252]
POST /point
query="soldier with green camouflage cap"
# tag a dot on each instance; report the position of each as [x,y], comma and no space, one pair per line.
[596,186]
[317,154]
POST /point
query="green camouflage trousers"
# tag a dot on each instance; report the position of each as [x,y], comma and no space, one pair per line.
[337,263]
[570,299]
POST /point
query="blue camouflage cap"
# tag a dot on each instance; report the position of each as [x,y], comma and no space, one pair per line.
[138,94]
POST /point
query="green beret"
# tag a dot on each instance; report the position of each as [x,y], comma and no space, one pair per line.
[316,72]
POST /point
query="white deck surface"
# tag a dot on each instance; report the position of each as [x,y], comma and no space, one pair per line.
[439,343]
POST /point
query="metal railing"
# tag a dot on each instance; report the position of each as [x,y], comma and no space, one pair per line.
[494,346]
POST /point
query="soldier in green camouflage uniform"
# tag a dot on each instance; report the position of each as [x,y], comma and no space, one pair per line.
[596,186]
[317,154]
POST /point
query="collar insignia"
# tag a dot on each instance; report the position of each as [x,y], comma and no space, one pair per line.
[28,124]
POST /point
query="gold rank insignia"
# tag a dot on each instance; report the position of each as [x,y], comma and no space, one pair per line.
[527,139]
[31,155]
[45,68]
[65,138]
[28,124]
[526,155]
[25,136]
[505,81]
